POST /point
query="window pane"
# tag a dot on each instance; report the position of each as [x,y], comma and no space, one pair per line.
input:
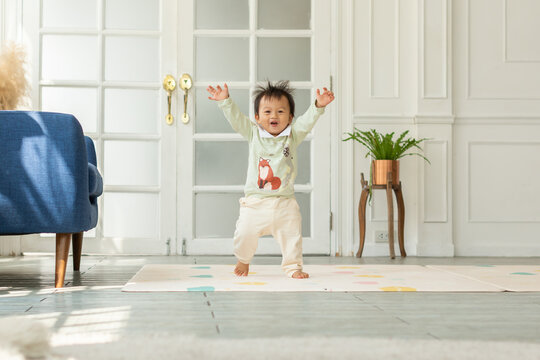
[69,57]
[81,102]
[131,163]
[132,14]
[304,163]
[216,215]
[222,14]
[284,59]
[210,118]
[221,162]
[304,201]
[129,58]
[284,14]
[79,14]
[302,101]
[233,55]
[130,215]
[131,111]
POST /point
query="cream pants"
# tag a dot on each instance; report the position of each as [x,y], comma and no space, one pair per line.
[276,216]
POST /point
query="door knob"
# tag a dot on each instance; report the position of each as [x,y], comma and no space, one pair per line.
[169,84]
[185,84]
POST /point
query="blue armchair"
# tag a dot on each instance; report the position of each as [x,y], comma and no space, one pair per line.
[49,182]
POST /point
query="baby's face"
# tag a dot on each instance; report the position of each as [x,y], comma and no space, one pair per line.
[274,114]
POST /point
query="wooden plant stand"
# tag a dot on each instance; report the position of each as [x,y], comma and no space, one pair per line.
[401,214]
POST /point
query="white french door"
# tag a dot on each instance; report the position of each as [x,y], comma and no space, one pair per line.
[175,188]
[103,60]
[243,42]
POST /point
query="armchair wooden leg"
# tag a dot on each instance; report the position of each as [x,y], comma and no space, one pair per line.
[62,252]
[77,250]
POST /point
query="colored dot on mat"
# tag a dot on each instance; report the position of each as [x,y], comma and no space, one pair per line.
[200,267]
[252,283]
[201,288]
[370,276]
[397,288]
[202,276]
[366,282]
[522,273]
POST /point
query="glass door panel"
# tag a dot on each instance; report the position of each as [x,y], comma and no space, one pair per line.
[271,14]
[247,54]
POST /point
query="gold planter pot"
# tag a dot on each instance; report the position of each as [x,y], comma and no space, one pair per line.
[380,169]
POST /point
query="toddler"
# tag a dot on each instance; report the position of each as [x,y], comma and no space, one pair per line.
[269,206]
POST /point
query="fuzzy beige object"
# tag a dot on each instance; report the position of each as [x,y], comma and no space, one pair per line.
[22,338]
[14,87]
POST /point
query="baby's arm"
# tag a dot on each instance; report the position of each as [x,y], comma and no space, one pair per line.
[239,122]
[325,98]
[303,124]
[219,93]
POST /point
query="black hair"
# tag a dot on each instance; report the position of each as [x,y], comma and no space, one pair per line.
[274,91]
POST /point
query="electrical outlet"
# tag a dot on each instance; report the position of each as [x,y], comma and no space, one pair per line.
[381,236]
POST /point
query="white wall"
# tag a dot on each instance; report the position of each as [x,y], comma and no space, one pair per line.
[465,73]
[497,137]
[10,30]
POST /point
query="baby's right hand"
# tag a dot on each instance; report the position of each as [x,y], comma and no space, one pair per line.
[219,93]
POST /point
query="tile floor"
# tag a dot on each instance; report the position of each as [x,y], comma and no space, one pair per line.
[92,303]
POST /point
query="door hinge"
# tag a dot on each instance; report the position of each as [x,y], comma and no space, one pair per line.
[331,221]
[184,250]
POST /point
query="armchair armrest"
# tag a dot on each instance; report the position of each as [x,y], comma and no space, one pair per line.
[44,174]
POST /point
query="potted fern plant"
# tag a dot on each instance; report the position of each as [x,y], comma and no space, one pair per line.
[386,153]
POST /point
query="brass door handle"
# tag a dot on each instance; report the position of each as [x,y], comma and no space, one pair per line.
[185,84]
[169,84]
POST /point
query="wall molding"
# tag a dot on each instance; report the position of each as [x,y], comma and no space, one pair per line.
[434,119]
[444,55]
[505,39]
[470,144]
[497,119]
[397,43]
[342,180]
[468,95]
[399,119]
[444,177]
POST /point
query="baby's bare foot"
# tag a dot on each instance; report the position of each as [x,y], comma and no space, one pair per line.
[299,274]
[241,269]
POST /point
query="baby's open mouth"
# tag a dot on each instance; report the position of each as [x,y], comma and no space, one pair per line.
[273,123]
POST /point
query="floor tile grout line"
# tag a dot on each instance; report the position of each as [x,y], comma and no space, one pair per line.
[212,312]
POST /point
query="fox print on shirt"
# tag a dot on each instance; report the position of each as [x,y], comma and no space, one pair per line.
[267,180]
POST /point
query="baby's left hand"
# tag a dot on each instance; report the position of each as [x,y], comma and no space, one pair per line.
[325,98]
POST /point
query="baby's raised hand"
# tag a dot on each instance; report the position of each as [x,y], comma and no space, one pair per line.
[219,93]
[325,98]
